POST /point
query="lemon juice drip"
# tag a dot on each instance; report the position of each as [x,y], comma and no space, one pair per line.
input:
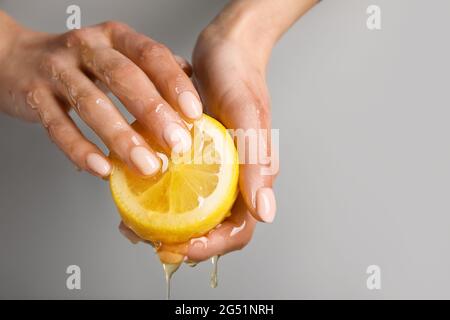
[169,270]
[191,264]
[213,282]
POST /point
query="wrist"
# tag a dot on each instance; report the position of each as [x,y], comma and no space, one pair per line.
[256,25]
[240,23]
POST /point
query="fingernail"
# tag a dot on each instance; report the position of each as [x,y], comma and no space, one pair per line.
[144,160]
[266,204]
[190,105]
[178,139]
[98,164]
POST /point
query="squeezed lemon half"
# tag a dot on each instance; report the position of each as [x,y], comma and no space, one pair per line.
[192,194]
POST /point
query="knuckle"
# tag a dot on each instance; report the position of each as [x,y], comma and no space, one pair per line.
[153,50]
[75,152]
[54,129]
[113,25]
[33,92]
[33,86]
[51,62]
[53,124]
[262,100]
[263,104]
[45,117]
[76,36]
[86,104]
[57,132]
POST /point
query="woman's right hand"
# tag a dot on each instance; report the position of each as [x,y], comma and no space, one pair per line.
[44,76]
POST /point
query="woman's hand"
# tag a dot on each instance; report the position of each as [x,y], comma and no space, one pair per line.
[230,75]
[229,63]
[43,76]
[229,71]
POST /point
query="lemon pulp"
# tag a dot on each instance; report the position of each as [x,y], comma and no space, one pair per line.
[191,195]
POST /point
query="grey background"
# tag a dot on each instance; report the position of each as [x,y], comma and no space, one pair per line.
[365,166]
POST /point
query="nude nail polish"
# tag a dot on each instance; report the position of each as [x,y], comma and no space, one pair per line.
[144,160]
[266,204]
[98,164]
[178,138]
[190,105]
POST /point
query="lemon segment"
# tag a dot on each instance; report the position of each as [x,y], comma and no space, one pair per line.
[192,194]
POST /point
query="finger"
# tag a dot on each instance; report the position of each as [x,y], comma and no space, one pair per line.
[95,108]
[167,252]
[258,192]
[185,65]
[139,95]
[258,153]
[162,68]
[233,234]
[63,131]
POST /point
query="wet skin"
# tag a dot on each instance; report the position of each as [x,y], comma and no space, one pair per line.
[45,76]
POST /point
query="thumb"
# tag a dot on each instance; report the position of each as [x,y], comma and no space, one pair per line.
[257,145]
[257,192]
[256,177]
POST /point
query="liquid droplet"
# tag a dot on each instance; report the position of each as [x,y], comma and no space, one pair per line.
[237,229]
[72,94]
[164,161]
[32,99]
[158,108]
[54,73]
[169,270]
[108,78]
[213,282]
[191,263]
[155,244]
